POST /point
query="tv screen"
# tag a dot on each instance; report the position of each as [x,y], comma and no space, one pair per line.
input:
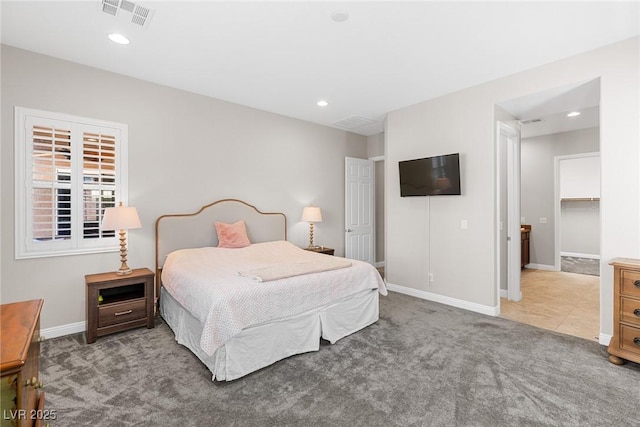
[430,176]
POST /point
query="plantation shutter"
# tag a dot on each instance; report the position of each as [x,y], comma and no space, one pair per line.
[69,169]
[51,181]
[98,181]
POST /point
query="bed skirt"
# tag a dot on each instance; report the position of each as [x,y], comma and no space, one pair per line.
[262,345]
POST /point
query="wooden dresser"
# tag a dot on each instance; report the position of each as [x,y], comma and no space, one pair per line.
[625,344]
[20,393]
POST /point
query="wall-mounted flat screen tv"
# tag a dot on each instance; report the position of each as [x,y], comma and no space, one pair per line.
[430,176]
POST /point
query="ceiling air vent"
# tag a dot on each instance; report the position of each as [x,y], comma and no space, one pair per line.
[128,10]
[110,6]
[530,121]
[353,122]
[127,5]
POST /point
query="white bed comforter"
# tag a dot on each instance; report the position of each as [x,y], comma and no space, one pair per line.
[206,282]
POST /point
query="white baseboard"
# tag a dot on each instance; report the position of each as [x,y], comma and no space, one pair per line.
[579,255]
[454,302]
[542,267]
[604,339]
[379,264]
[60,331]
[504,293]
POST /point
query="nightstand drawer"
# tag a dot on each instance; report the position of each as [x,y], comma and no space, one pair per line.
[112,314]
[630,338]
[630,311]
[630,283]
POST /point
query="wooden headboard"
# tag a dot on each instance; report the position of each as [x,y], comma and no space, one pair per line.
[196,230]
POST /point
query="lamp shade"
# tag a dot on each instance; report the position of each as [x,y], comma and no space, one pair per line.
[311,214]
[121,218]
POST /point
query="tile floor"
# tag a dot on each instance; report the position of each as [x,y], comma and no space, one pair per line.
[564,302]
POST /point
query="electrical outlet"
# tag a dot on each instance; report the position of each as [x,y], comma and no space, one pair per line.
[430,277]
[543,220]
[464,224]
[522,220]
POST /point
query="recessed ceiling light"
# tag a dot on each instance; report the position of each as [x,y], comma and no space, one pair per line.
[339,15]
[322,103]
[118,38]
[573,114]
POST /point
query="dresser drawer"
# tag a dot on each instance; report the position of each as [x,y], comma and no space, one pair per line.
[630,310]
[112,314]
[630,283]
[630,338]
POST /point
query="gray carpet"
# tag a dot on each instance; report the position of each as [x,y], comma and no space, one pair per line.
[580,265]
[422,364]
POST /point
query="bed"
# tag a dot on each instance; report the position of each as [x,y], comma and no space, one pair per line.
[244,308]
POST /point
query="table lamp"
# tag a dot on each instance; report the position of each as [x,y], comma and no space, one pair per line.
[311,214]
[121,218]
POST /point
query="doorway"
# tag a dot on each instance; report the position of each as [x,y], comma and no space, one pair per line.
[546,133]
[378,162]
[577,210]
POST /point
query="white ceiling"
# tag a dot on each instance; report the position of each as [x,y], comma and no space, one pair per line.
[285,56]
[546,112]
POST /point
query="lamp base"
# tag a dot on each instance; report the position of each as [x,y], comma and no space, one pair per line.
[124,267]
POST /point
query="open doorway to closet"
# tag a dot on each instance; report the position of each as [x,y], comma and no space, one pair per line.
[559,210]
[379,208]
[375,152]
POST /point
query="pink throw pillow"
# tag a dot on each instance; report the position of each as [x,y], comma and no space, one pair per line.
[232,235]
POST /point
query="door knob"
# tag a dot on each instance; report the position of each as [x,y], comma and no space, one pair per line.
[348,230]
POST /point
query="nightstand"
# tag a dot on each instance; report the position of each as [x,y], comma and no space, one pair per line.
[117,303]
[321,250]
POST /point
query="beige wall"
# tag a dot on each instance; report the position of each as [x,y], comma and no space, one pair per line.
[537,197]
[185,151]
[423,238]
[375,145]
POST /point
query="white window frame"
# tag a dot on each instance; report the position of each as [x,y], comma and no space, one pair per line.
[25,245]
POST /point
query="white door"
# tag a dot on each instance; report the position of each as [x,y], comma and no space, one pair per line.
[359,209]
[509,142]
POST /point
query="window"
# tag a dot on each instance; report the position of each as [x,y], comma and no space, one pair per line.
[68,170]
